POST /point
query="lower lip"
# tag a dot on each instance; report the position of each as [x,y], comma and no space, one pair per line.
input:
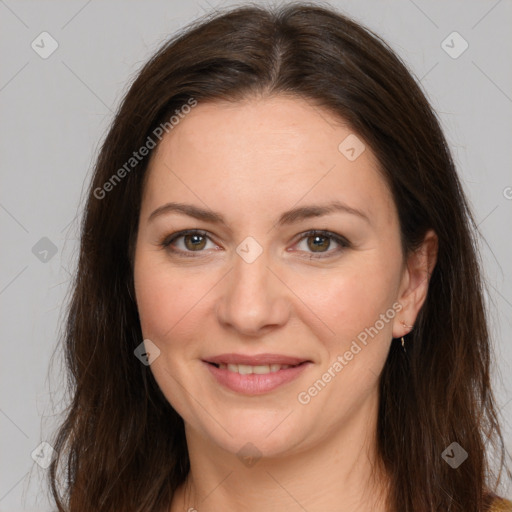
[255,384]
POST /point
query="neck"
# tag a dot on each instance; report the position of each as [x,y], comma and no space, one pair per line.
[341,473]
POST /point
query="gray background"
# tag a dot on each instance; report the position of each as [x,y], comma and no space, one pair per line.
[55,112]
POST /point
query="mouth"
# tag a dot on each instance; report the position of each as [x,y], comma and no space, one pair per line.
[260,369]
[255,375]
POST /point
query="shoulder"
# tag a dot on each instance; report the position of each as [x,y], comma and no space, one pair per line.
[500,505]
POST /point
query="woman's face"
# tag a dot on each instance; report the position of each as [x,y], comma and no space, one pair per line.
[308,317]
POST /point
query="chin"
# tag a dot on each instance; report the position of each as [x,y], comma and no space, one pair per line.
[257,434]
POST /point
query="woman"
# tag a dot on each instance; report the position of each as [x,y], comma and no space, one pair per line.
[278,301]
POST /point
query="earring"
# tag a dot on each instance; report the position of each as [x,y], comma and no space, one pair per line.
[410,329]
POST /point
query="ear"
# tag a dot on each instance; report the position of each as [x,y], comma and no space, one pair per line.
[414,286]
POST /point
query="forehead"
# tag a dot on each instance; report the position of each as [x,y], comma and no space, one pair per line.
[265,152]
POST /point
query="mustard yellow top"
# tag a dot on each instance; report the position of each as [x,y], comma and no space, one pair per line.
[501,505]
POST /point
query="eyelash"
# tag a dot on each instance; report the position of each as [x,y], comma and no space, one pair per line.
[343,242]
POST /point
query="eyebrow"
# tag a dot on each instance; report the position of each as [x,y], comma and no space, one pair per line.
[287,218]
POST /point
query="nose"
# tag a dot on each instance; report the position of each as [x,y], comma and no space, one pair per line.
[254,299]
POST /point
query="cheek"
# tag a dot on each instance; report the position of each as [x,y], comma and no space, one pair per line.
[172,304]
[160,297]
[352,300]
[165,308]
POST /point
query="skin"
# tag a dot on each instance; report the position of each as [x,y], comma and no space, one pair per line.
[252,161]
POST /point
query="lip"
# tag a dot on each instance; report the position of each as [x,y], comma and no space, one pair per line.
[255,360]
[255,384]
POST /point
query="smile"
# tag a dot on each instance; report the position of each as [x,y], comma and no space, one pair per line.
[245,369]
[254,379]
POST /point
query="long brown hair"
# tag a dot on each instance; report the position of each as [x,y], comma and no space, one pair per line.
[122,446]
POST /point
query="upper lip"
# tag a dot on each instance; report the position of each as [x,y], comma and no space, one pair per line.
[255,360]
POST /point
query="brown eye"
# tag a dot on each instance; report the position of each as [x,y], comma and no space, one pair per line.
[184,243]
[194,242]
[317,243]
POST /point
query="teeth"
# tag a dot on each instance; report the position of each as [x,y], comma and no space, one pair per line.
[261,369]
[245,369]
